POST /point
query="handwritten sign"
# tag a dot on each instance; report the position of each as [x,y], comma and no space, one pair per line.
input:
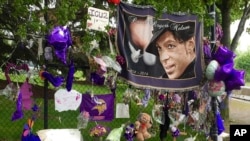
[99,19]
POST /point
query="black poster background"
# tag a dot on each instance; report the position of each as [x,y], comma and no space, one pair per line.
[136,71]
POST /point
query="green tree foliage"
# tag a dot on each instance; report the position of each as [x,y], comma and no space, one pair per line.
[242,62]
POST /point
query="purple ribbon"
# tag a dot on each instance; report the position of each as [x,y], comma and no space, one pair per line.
[55,81]
[18,114]
[220,124]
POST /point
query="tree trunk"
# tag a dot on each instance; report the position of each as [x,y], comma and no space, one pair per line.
[226,20]
[245,16]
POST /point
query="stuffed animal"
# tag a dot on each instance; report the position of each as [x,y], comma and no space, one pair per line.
[143,123]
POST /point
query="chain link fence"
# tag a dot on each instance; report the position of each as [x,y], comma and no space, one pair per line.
[47,117]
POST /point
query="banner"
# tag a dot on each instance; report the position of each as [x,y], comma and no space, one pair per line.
[160,52]
[100,107]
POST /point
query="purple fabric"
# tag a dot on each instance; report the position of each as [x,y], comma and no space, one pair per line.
[97,79]
[18,114]
[220,124]
[70,77]
[31,137]
[26,91]
[101,112]
[55,81]
[129,133]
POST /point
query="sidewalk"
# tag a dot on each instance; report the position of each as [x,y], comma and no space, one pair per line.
[242,97]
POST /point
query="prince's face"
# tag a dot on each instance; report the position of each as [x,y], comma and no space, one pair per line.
[175,56]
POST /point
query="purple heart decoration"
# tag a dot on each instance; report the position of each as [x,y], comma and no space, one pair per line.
[60,39]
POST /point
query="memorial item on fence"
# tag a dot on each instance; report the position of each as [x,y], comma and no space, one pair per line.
[67,100]
[100,106]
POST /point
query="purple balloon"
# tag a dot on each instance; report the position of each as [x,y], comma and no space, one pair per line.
[236,80]
[223,55]
[223,72]
[60,39]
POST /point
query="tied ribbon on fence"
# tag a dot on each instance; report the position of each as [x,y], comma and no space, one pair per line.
[56,81]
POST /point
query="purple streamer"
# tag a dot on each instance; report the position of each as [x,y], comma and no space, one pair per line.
[18,114]
[70,77]
[235,80]
[220,124]
[55,81]
[223,72]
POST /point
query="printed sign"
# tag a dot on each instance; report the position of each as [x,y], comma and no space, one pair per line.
[99,19]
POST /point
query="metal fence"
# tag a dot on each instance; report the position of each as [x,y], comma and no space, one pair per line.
[46,117]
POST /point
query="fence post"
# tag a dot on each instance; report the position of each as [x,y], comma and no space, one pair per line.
[214,104]
[46,84]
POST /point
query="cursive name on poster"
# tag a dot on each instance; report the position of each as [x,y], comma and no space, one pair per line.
[172,26]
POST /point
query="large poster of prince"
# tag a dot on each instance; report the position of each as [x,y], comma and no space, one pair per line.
[161,52]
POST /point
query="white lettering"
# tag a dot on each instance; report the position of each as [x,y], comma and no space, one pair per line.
[239,132]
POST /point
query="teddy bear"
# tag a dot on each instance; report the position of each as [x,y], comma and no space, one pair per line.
[142,125]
